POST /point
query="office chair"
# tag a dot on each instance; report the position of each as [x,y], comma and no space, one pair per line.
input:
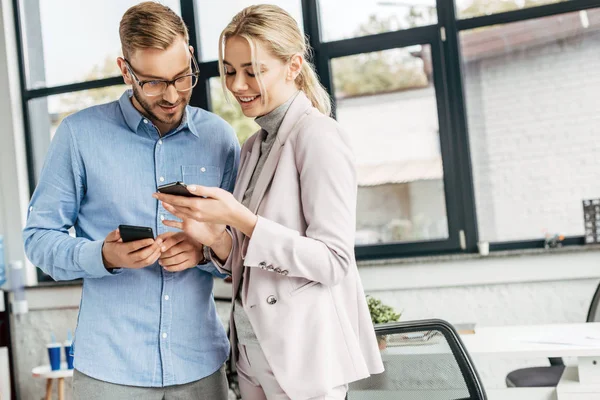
[423,360]
[549,376]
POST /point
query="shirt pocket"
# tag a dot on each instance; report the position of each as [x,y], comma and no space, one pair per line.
[204,175]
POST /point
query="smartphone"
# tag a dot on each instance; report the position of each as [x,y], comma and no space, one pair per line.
[130,233]
[175,188]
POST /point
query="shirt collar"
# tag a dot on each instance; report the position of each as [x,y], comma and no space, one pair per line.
[133,117]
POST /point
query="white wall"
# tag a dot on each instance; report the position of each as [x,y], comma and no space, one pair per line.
[14,191]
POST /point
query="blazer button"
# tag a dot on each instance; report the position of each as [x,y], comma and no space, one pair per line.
[271,299]
[278,270]
[270,267]
[285,272]
[262,265]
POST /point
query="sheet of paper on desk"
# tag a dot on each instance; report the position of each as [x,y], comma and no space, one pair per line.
[562,339]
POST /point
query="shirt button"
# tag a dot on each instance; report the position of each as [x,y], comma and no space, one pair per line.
[203,169]
[162,179]
[166,297]
[30,208]
[162,218]
[145,121]
[160,142]
[164,335]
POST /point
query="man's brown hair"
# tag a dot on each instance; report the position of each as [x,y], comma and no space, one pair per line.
[150,25]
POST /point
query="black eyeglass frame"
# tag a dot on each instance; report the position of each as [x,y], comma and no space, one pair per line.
[194,74]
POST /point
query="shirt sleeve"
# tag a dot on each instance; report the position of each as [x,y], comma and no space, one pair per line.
[53,210]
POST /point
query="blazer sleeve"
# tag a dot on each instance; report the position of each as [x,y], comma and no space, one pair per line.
[328,188]
[225,267]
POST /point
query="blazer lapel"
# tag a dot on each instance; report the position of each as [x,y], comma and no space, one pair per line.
[299,107]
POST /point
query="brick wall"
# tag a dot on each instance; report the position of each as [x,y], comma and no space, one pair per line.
[534,125]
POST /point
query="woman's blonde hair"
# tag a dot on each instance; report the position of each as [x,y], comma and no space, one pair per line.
[278,32]
[150,25]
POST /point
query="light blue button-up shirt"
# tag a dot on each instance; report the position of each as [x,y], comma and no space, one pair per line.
[139,327]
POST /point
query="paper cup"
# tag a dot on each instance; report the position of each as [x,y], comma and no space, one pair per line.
[54,355]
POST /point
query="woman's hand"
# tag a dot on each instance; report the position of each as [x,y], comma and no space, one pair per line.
[202,232]
[212,206]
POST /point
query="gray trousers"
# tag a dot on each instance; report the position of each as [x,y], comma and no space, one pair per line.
[213,387]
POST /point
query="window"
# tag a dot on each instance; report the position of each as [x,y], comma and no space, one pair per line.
[367,17]
[483,130]
[69,41]
[46,113]
[386,102]
[531,90]
[214,16]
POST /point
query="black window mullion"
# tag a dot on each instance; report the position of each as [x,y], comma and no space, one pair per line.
[189,14]
[461,161]
[72,87]
[381,41]
[208,70]
[404,249]
[24,108]
[320,59]
[452,186]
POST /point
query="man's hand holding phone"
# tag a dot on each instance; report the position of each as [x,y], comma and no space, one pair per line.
[179,252]
[135,254]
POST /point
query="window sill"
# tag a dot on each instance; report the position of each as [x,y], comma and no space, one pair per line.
[476,256]
[436,271]
[499,267]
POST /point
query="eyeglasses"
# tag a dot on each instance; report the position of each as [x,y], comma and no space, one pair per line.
[156,87]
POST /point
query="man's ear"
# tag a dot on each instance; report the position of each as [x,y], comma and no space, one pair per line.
[295,66]
[124,71]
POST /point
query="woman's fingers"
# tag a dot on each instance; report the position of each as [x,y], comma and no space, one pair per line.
[206,191]
[183,213]
[179,201]
[173,224]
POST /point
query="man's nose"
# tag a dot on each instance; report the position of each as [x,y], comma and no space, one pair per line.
[171,94]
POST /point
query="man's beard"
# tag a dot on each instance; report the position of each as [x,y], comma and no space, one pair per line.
[148,108]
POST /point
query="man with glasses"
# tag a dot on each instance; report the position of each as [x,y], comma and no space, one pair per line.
[147,326]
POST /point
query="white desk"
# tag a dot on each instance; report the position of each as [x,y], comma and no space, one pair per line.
[560,340]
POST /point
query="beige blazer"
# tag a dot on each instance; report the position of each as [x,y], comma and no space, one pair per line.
[304,297]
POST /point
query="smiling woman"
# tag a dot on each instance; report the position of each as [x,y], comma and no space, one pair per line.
[292,220]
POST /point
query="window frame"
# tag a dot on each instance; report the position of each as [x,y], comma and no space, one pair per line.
[443,38]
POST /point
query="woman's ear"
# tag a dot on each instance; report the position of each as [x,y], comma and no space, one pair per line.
[295,66]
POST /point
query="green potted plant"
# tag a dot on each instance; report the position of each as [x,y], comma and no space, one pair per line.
[381,314]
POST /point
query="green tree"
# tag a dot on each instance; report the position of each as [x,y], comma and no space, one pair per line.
[383,71]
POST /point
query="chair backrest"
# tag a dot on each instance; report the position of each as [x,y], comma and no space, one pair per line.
[424,360]
[593,312]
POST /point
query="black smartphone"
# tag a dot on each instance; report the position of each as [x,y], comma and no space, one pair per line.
[130,233]
[175,188]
